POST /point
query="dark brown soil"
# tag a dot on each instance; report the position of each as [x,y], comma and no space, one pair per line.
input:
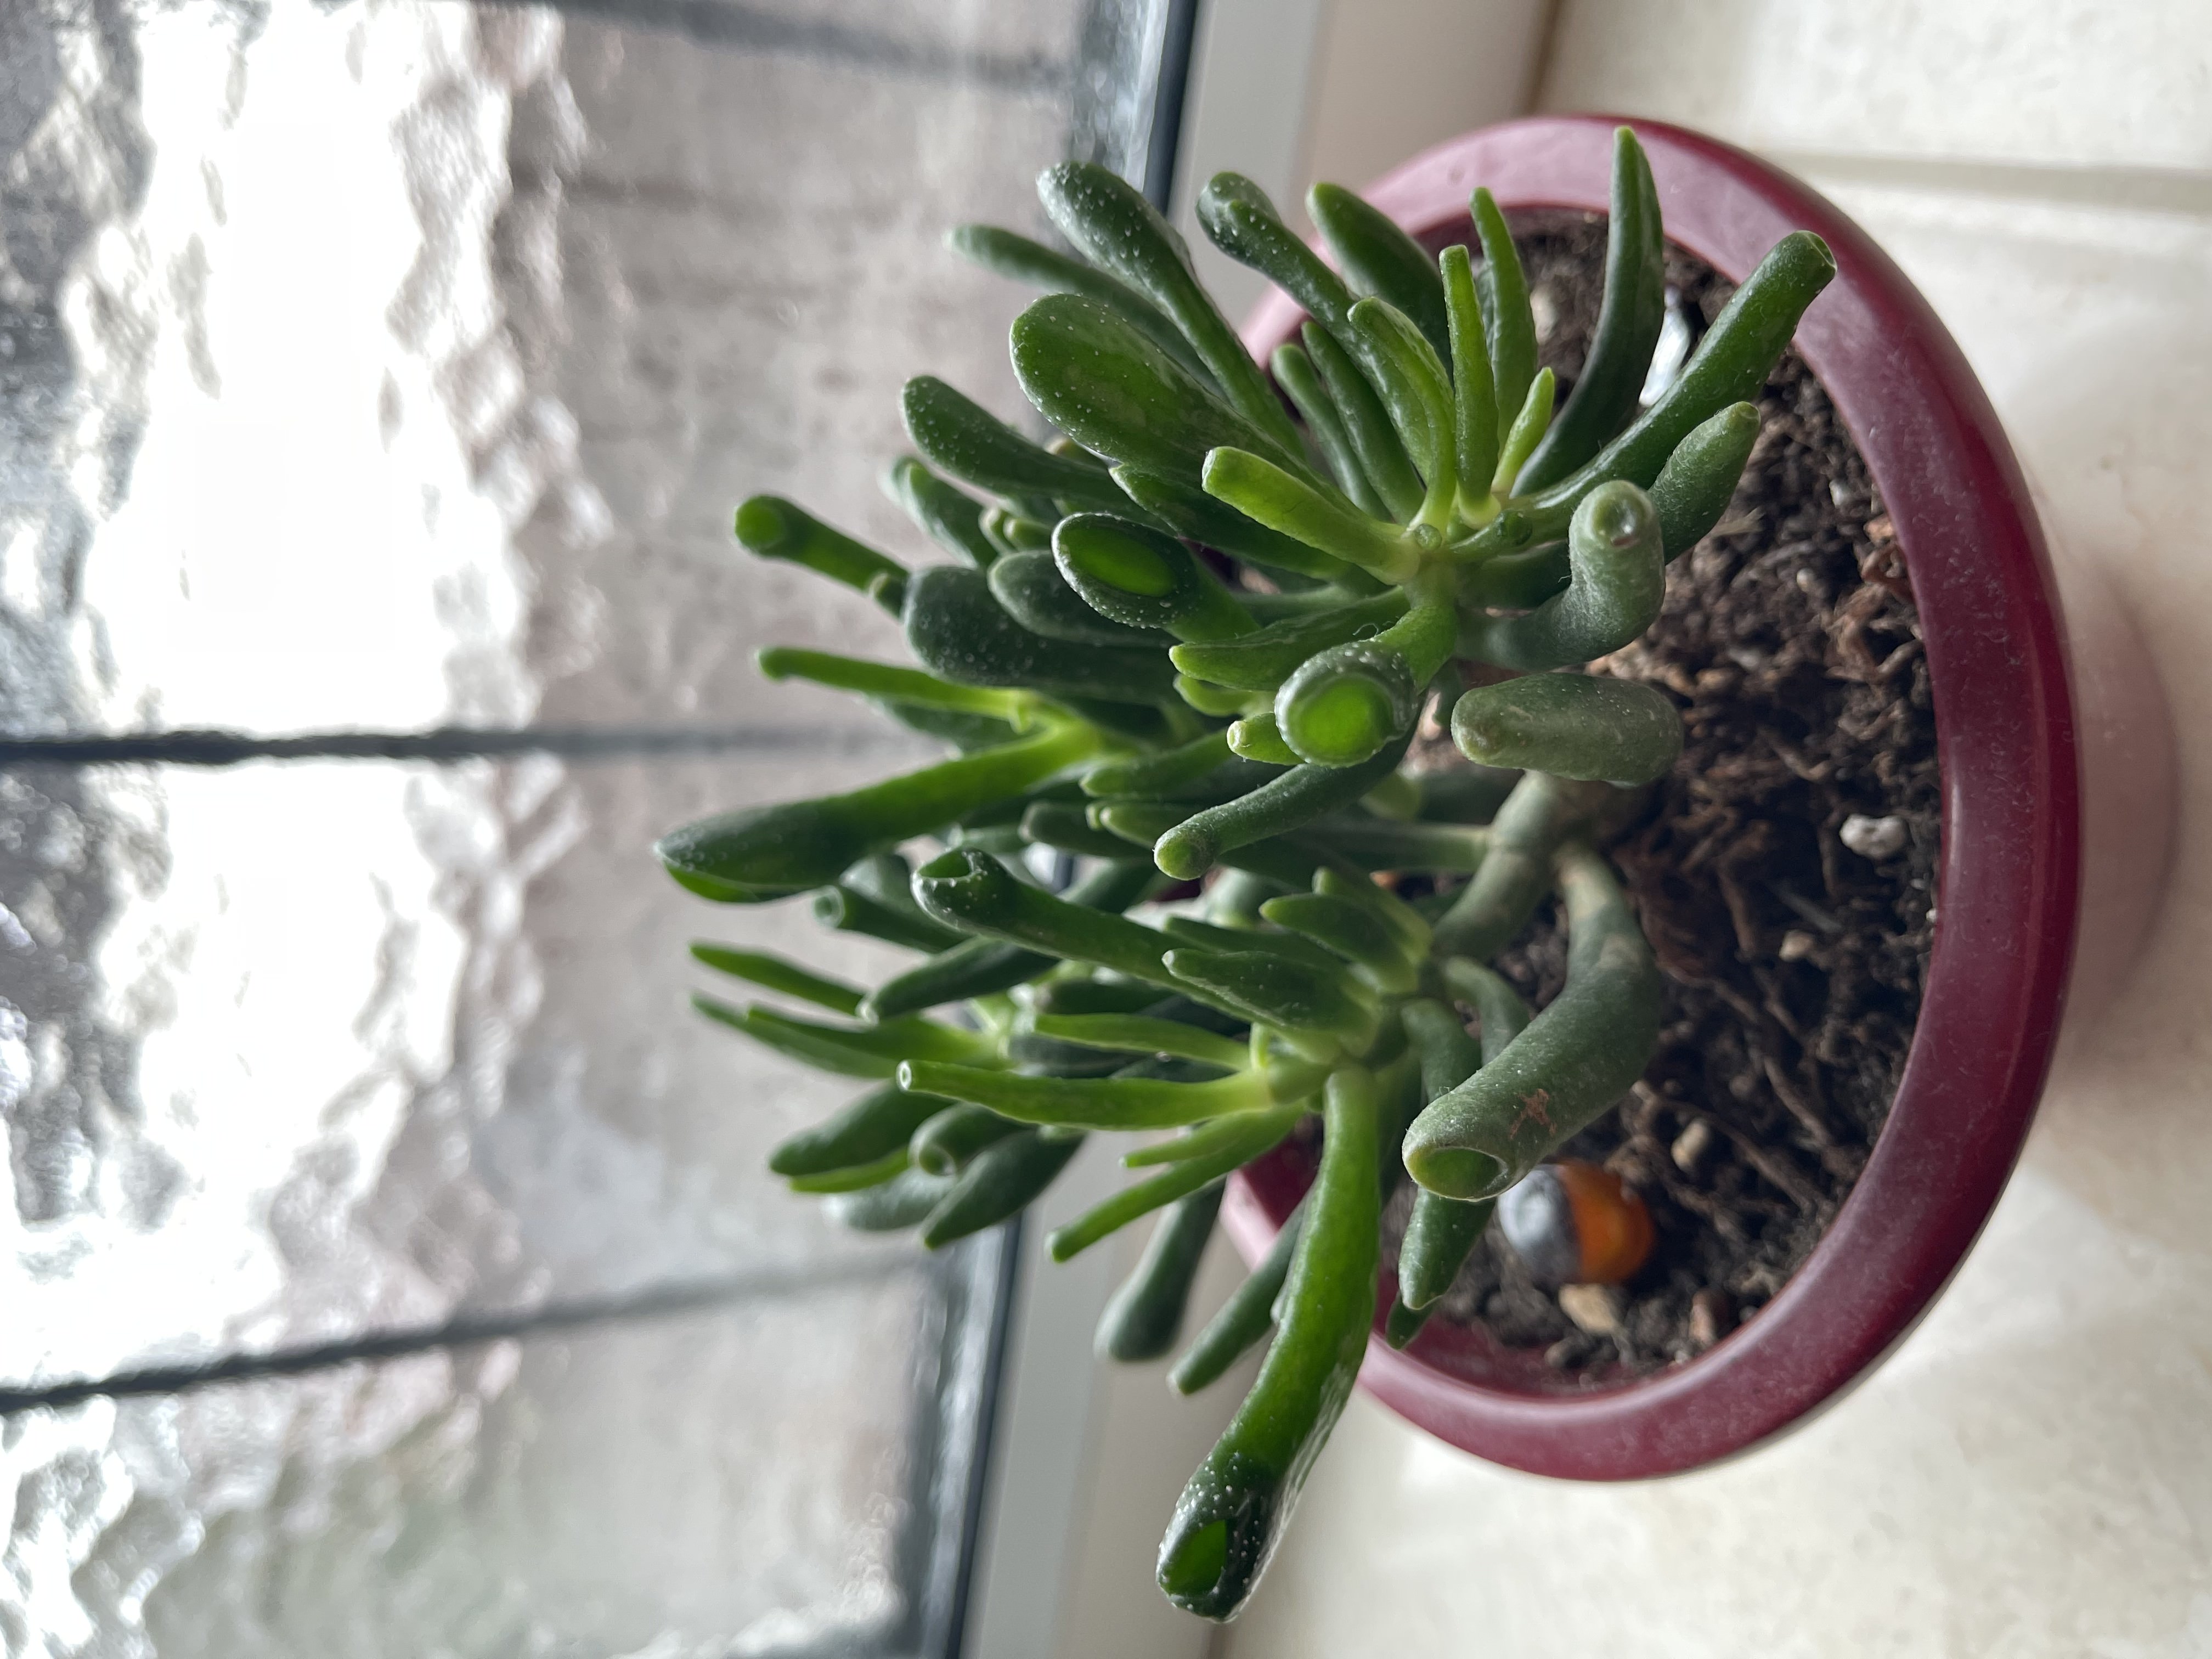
[1790,643]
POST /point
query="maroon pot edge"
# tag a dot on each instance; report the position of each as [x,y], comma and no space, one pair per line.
[2009,871]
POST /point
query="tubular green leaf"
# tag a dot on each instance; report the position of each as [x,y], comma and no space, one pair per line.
[967,887]
[999,1183]
[1257,738]
[772,528]
[1033,593]
[1272,989]
[1730,366]
[1367,425]
[845,909]
[1143,580]
[1381,259]
[1260,489]
[1526,430]
[1474,398]
[1262,661]
[1296,799]
[1628,320]
[1115,392]
[1192,513]
[1616,583]
[1025,261]
[956,625]
[869,1051]
[959,435]
[1370,844]
[1108,1102]
[1354,934]
[1416,391]
[767,852]
[1149,777]
[1573,726]
[774,973]
[945,1143]
[1145,1315]
[1136,1034]
[1509,326]
[979,967]
[1575,1058]
[1699,479]
[880,1122]
[1112,226]
[1231,1515]
[1344,704]
[892,1207]
[1256,1132]
[1244,1319]
[1294,372]
[891,681]
[950,517]
[1242,222]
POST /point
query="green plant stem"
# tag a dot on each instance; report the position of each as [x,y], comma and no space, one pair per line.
[1537,818]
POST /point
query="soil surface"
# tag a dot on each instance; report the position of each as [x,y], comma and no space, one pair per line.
[1790,644]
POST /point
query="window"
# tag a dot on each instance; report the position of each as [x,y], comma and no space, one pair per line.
[392,1265]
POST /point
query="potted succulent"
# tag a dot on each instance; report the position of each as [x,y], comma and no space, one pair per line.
[1185,649]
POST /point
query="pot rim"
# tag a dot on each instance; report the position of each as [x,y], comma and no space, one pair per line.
[2008,876]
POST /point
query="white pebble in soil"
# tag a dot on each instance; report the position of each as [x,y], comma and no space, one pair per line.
[1873,838]
[1595,1308]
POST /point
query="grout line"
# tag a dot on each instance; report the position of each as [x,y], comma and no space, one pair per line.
[458,1333]
[2159,190]
[443,744]
[747,28]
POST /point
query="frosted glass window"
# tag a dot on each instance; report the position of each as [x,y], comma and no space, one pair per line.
[389,1265]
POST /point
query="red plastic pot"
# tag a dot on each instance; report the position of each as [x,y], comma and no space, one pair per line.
[2010,873]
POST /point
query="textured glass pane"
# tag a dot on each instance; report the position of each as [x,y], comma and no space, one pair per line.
[748,1479]
[291,1050]
[394,365]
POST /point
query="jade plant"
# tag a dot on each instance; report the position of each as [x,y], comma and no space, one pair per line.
[1189,639]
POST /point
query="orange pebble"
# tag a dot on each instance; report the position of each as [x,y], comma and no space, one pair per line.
[1573,1222]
